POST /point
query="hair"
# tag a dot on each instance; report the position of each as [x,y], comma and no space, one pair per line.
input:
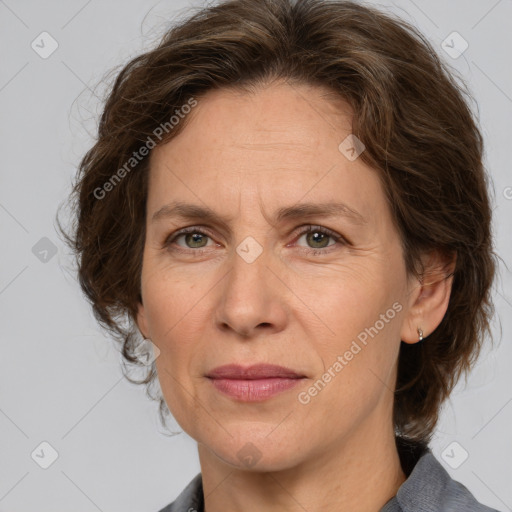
[408,110]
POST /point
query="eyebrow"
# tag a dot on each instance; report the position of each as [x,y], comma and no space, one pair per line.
[298,211]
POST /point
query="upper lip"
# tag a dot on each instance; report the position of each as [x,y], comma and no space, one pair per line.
[257,371]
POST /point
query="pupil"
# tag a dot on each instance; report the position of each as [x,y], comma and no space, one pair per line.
[315,235]
[194,237]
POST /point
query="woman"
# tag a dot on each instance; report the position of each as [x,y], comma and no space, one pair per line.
[287,202]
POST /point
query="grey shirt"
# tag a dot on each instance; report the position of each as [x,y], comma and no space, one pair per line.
[428,488]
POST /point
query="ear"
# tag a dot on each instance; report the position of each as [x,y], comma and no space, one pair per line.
[429,296]
[141,320]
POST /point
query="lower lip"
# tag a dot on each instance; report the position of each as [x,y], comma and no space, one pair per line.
[254,390]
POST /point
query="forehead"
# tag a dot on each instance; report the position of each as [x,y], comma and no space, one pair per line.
[295,116]
[278,143]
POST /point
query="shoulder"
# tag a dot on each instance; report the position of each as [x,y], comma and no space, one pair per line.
[430,488]
[190,499]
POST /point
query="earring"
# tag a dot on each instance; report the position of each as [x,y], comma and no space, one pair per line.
[420,334]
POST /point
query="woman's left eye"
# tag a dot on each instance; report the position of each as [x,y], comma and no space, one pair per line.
[316,237]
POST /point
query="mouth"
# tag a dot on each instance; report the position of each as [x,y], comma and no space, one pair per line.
[254,383]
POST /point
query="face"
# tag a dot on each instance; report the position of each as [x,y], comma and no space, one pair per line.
[250,286]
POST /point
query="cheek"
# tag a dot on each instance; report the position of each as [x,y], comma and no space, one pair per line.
[358,369]
[363,316]
[347,300]
[174,312]
[166,294]
[171,309]
[185,409]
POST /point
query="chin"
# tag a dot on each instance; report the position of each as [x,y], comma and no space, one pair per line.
[255,450]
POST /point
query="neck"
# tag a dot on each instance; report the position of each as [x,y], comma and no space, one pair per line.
[360,472]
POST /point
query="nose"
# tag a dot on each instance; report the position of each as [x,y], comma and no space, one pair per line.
[253,298]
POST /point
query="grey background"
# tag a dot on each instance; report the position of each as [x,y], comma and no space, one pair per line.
[60,378]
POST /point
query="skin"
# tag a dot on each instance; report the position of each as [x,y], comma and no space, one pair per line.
[244,156]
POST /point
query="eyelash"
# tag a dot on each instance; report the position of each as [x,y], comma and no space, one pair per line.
[339,240]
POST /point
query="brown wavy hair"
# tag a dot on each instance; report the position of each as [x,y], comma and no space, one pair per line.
[410,111]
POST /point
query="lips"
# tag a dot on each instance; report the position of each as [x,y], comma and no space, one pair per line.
[257,371]
[254,383]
